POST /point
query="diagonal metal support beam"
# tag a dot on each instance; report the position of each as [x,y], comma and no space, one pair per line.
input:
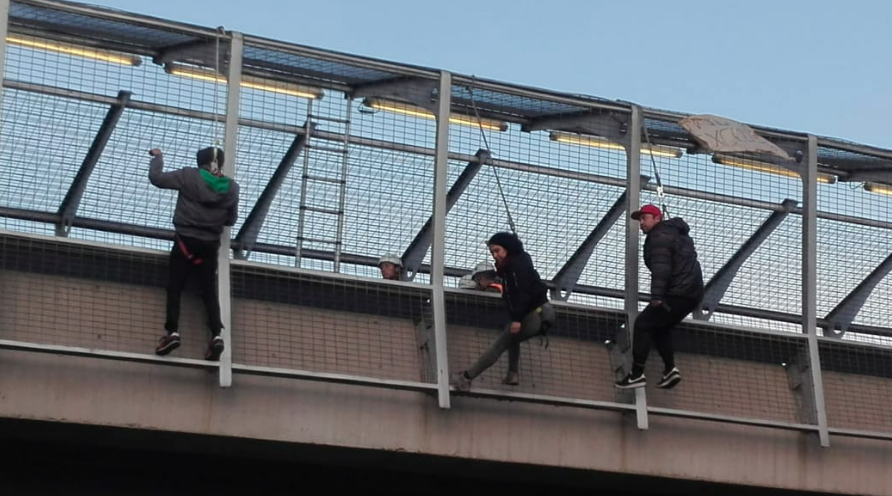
[721,281]
[566,278]
[414,254]
[612,126]
[841,317]
[247,235]
[68,207]
[416,91]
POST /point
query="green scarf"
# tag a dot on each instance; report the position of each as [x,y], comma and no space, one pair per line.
[220,184]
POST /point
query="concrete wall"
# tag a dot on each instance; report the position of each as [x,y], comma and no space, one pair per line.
[82,390]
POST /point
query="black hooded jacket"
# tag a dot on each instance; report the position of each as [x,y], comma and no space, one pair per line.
[523,289]
[670,256]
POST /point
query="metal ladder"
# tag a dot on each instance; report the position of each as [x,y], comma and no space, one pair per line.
[310,176]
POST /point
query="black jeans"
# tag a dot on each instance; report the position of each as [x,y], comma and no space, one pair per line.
[181,267]
[654,327]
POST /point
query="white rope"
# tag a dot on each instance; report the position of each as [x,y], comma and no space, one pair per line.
[489,158]
[217,140]
[660,197]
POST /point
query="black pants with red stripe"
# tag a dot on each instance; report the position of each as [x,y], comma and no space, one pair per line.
[181,268]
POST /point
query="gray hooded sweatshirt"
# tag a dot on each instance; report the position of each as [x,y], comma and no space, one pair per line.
[205,202]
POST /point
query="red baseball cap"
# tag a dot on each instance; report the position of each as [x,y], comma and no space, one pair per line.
[647,209]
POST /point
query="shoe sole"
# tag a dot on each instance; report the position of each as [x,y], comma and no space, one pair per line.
[215,353]
[631,386]
[670,383]
[167,349]
[460,385]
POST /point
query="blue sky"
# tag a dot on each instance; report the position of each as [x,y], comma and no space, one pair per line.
[818,66]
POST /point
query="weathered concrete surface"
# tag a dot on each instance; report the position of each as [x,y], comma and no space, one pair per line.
[89,391]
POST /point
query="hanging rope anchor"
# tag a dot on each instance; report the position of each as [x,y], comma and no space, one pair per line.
[661,199]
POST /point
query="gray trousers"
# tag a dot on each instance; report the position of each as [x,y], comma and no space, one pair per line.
[530,326]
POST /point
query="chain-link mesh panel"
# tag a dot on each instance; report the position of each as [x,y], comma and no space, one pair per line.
[737,372]
[74,294]
[854,258]
[729,204]
[856,385]
[556,188]
[312,323]
[358,180]
[335,158]
[854,254]
[573,359]
[79,121]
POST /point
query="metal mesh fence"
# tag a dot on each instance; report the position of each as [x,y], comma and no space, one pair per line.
[555,187]
[853,249]
[853,297]
[737,372]
[56,99]
[335,160]
[314,323]
[856,388]
[575,361]
[62,293]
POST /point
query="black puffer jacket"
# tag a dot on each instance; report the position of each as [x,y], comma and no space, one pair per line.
[670,255]
[523,288]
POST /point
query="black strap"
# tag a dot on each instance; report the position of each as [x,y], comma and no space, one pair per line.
[543,333]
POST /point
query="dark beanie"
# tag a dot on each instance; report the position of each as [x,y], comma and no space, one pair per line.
[508,241]
[206,155]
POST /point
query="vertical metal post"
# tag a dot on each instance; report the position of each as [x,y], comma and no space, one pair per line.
[809,283]
[438,252]
[233,98]
[633,197]
[4,30]
[342,195]
[304,186]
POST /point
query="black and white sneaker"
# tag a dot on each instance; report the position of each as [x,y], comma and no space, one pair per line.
[215,349]
[630,382]
[670,379]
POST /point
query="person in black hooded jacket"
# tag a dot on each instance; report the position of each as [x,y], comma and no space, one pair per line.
[529,311]
[676,288]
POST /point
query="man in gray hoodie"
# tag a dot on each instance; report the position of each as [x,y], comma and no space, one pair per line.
[206,202]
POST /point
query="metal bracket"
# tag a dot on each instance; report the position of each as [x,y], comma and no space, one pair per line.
[427,344]
[879,175]
[417,91]
[619,352]
[609,125]
[800,380]
[198,52]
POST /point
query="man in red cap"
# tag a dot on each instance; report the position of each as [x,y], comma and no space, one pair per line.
[676,288]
